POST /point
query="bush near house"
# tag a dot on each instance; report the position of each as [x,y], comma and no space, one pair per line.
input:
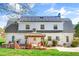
[46,42]
[76,30]
[75,43]
[64,44]
[54,42]
[2,40]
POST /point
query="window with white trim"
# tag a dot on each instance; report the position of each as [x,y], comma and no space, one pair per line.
[55,26]
[57,38]
[27,26]
[42,26]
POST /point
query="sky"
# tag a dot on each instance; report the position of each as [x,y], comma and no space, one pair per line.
[67,10]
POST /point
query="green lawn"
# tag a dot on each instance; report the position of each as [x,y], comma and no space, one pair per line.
[25,52]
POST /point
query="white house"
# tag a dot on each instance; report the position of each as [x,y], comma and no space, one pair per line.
[34,28]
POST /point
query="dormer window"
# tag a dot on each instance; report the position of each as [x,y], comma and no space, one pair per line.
[27,26]
[41,17]
[55,27]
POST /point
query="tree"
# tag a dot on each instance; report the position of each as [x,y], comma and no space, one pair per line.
[16,9]
[77,30]
[75,43]
[2,40]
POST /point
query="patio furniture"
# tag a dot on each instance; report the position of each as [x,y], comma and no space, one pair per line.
[22,46]
[16,45]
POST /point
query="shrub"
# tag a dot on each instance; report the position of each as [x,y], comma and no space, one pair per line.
[54,42]
[1,40]
[49,38]
[64,44]
[75,43]
[45,42]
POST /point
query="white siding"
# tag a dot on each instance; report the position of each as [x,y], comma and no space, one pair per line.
[62,37]
[48,25]
[53,35]
[18,36]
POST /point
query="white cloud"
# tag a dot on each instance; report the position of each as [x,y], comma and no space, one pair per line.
[63,11]
[13,15]
[3,17]
[3,21]
[18,9]
[76,12]
[12,6]
[15,7]
[51,10]
[75,20]
[31,5]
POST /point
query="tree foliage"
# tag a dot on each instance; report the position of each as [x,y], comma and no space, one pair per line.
[77,30]
[16,9]
[75,43]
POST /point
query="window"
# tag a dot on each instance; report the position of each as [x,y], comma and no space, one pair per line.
[55,27]
[57,38]
[41,17]
[27,26]
[67,39]
[49,38]
[42,26]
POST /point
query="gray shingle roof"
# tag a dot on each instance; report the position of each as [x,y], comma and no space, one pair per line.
[42,19]
[13,27]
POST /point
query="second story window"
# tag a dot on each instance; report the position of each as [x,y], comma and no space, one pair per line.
[57,38]
[55,27]
[27,26]
[42,26]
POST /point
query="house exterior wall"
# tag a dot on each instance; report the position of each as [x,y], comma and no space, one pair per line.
[48,25]
[18,36]
[62,36]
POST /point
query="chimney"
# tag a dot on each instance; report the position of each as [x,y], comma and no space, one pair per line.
[59,14]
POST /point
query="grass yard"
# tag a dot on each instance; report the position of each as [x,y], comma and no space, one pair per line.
[32,52]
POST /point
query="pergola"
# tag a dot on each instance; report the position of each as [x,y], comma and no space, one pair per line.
[34,35]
